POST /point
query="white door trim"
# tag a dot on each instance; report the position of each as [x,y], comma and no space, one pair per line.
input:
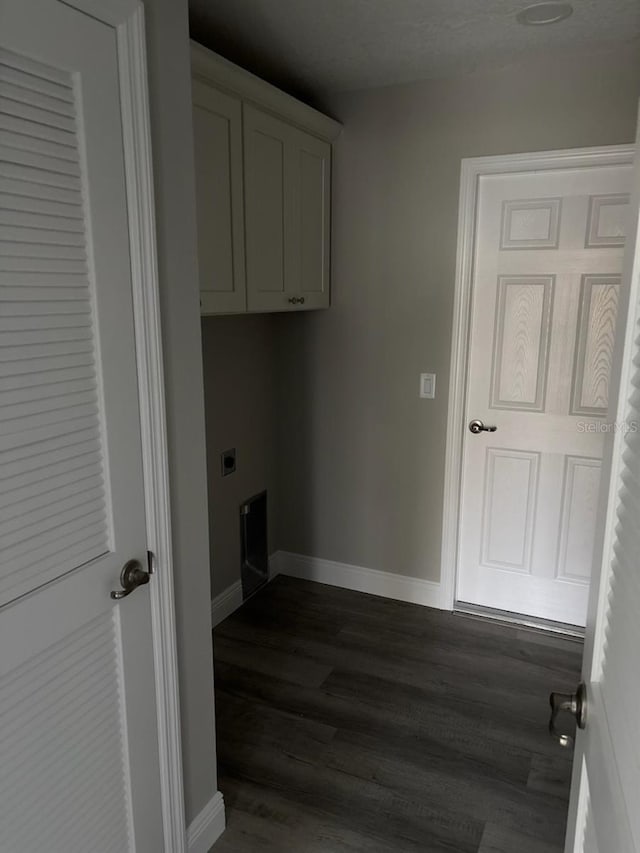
[146,303]
[472,169]
[127,17]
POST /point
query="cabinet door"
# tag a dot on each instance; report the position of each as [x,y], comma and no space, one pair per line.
[269,200]
[287,215]
[217,126]
[312,224]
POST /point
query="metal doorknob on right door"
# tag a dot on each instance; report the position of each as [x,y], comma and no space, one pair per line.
[131,577]
[573,703]
[476,426]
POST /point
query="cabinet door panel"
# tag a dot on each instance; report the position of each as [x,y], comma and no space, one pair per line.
[268,210]
[313,179]
[217,124]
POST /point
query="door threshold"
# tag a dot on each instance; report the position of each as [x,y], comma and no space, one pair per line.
[532,623]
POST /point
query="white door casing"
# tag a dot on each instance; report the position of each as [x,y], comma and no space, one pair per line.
[80,674]
[603,810]
[546,271]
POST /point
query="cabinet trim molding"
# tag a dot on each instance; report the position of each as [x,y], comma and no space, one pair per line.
[209,67]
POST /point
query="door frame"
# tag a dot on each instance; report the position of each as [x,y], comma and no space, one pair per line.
[472,169]
[127,19]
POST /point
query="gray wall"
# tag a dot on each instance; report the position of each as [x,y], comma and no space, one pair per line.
[363,483]
[240,394]
[170,93]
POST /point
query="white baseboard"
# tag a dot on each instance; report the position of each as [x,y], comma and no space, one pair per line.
[373,581]
[230,599]
[274,565]
[207,826]
[224,604]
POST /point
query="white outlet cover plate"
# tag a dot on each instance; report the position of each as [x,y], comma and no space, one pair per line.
[428,385]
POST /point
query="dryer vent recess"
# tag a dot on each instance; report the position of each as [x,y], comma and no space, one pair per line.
[228,462]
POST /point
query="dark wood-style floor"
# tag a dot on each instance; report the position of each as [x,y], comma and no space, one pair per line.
[347,722]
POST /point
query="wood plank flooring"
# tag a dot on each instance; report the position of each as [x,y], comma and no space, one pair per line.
[347,722]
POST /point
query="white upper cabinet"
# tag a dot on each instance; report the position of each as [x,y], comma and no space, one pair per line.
[217,125]
[263,176]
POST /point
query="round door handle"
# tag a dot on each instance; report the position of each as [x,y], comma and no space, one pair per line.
[477,426]
[131,577]
[573,703]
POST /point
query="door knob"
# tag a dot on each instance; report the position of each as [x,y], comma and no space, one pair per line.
[131,577]
[574,703]
[476,426]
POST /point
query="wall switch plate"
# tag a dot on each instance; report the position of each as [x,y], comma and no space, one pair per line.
[428,385]
[228,461]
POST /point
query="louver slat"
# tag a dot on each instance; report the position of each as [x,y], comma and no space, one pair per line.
[33,98]
[21,460]
[32,83]
[46,478]
[20,234]
[39,158]
[40,192]
[21,108]
[18,212]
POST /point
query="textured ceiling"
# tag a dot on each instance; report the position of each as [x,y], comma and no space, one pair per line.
[317,46]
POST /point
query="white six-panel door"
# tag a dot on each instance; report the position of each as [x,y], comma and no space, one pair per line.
[78,735]
[547,265]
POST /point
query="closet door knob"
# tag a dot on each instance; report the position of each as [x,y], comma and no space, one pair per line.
[575,704]
[131,577]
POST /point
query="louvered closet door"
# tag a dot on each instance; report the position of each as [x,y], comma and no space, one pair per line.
[603,815]
[78,741]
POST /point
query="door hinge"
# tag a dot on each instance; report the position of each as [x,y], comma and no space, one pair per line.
[151,562]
